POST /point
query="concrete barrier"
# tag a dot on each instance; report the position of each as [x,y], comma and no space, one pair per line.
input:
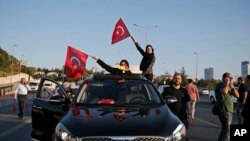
[9,84]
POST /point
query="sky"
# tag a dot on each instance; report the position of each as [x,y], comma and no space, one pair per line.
[217,30]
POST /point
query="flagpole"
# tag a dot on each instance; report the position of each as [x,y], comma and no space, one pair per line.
[63,73]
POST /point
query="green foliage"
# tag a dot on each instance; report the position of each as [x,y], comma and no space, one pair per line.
[6,63]
[5,60]
[209,84]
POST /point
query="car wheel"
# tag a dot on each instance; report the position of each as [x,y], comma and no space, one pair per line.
[212,100]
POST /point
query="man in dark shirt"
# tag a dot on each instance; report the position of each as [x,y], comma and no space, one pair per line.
[242,98]
[179,108]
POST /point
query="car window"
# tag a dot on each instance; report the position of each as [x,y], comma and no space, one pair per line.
[49,89]
[113,92]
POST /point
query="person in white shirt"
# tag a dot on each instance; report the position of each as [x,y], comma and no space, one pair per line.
[21,94]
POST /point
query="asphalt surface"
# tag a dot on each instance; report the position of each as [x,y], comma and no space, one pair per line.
[205,126]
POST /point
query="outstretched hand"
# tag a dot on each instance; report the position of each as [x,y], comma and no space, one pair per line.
[95,57]
[133,39]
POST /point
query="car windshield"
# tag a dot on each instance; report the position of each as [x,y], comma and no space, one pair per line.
[113,92]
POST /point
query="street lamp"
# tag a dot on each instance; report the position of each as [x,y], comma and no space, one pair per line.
[12,62]
[196,74]
[146,30]
[20,65]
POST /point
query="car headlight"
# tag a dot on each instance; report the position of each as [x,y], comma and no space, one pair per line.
[178,134]
[62,133]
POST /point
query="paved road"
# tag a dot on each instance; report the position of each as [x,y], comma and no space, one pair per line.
[12,128]
[205,127]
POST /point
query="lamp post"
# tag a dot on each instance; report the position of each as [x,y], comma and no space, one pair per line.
[196,73]
[146,30]
[20,65]
[12,62]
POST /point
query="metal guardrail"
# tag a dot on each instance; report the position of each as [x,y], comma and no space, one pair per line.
[8,89]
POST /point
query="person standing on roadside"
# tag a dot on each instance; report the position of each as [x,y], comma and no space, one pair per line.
[21,94]
[179,108]
[147,61]
[242,98]
[223,92]
[194,97]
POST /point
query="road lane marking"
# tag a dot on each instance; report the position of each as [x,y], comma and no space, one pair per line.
[25,121]
[207,122]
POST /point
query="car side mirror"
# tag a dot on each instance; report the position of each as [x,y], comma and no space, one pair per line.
[57,99]
[170,99]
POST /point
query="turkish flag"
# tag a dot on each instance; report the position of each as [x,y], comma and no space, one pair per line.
[75,63]
[120,32]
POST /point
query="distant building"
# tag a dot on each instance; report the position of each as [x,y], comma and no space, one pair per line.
[52,74]
[245,69]
[209,73]
[39,73]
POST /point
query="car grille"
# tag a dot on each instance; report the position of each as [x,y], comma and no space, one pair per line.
[123,139]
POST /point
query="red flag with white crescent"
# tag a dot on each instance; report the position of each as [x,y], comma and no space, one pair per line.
[120,32]
[75,63]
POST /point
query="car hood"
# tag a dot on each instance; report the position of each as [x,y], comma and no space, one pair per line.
[120,121]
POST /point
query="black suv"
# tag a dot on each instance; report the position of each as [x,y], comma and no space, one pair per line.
[105,108]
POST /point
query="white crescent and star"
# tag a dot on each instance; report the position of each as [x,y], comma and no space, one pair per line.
[74,64]
[122,30]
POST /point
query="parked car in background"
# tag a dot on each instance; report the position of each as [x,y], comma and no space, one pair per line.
[212,97]
[106,108]
[203,91]
[34,85]
[161,88]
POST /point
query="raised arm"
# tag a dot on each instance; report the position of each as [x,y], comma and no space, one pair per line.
[138,46]
[103,64]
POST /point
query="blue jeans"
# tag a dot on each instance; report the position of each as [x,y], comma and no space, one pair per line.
[226,120]
[22,99]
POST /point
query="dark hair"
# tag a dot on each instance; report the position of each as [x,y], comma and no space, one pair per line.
[248,77]
[190,80]
[240,78]
[150,46]
[177,74]
[125,61]
[227,74]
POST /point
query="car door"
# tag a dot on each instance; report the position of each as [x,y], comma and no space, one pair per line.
[49,105]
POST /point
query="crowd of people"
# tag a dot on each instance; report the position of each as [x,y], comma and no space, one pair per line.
[186,96]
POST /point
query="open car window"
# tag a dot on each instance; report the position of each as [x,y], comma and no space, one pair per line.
[49,89]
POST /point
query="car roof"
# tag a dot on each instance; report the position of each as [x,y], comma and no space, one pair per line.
[119,77]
